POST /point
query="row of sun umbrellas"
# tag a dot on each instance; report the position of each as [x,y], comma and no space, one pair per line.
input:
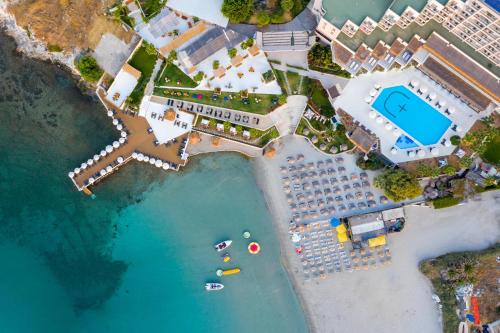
[151,160]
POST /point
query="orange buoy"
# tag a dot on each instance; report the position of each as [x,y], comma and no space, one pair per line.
[253,248]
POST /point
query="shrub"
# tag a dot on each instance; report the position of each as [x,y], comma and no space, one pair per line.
[172,56]
[239,129]
[449,170]
[227,126]
[398,185]
[490,181]
[278,17]
[54,48]
[268,76]
[246,44]
[455,140]
[320,58]
[263,19]
[89,69]
[232,52]
[212,123]
[150,48]
[372,163]
[199,76]
[215,64]
[426,170]
[445,202]
[237,10]
[282,99]
[465,161]
[286,4]
[254,133]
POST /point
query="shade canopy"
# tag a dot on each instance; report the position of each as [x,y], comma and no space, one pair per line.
[109,148]
[96,157]
[368,99]
[103,153]
[447,143]
[411,154]
[442,103]
[152,160]
[435,152]
[121,140]
[146,158]
[377,86]
[115,122]
[119,159]
[421,153]
[123,134]
[71,174]
[373,92]
[372,114]
[415,83]
[119,127]
[165,166]
[116,144]
[459,128]
[380,120]
[432,95]
[134,155]
[77,170]
[83,166]
[140,157]
[109,168]
[423,89]
[388,126]
[91,180]
[158,163]
[110,113]
[451,109]
[394,151]
[102,172]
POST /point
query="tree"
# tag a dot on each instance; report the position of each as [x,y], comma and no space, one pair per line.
[199,76]
[372,163]
[490,181]
[149,48]
[237,10]
[449,170]
[89,69]
[215,64]
[455,140]
[263,19]
[254,133]
[398,185]
[239,129]
[465,161]
[426,170]
[232,52]
[172,56]
[227,126]
[286,4]
[282,99]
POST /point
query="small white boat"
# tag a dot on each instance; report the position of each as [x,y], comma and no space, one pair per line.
[213,286]
[223,245]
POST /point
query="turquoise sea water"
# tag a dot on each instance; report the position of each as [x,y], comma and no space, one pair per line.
[135,258]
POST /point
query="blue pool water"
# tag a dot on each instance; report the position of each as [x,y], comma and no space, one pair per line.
[412,114]
[404,142]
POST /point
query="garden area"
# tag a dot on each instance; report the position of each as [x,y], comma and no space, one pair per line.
[262,12]
[144,60]
[454,270]
[253,103]
[319,59]
[324,136]
[318,98]
[483,139]
[173,76]
[151,7]
[398,185]
[120,13]
[89,69]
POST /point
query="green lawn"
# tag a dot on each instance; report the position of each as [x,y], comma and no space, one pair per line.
[151,7]
[145,63]
[263,106]
[294,80]
[492,152]
[173,76]
[319,98]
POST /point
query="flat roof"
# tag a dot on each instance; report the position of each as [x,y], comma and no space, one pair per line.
[415,43]
[362,52]
[196,30]
[440,72]
[363,139]
[123,85]
[463,64]
[392,214]
[208,10]
[365,223]
[380,50]
[341,54]
[397,47]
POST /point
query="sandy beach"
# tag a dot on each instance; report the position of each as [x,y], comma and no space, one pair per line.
[396,297]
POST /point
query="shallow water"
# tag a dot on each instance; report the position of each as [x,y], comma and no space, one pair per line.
[136,257]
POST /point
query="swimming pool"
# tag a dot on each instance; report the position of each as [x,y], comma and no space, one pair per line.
[412,114]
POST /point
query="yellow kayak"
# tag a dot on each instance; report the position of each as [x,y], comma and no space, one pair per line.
[231,271]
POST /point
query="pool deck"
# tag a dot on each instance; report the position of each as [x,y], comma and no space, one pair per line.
[353,102]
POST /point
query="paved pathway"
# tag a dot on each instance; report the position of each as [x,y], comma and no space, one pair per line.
[205,146]
[287,117]
[328,80]
[151,84]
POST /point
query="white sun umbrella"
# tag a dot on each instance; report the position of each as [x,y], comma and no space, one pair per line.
[421,153]
[165,166]
[116,144]
[451,109]
[90,161]
[372,114]
[388,126]
[102,172]
[109,168]
[91,180]
[123,134]
[377,86]
[110,113]
[119,127]
[373,92]
[134,155]
[380,120]
[71,174]
[459,128]
[115,122]
[442,103]
[84,165]
[415,83]
[140,157]
[368,99]
[411,154]
[96,157]
[146,158]
[121,140]
[423,89]
[432,95]
[435,151]
[103,153]
[447,143]
[296,237]
[152,160]
[159,163]
[396,132]
[119,159]
[394,151]
[109,148]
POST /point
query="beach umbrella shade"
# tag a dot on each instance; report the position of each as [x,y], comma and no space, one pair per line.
[103,153]
[377,86]
[83,166]
[165,166]
[123,134]
[432,95]
[394,151]
[158,163]
[421,153]
[109,148]
[121,140]
[396,132]
[380,120]
[368,99]
[119,159]
[115,122]
[96,157]
[134,155]
[71,174]
[411,153]
[415,83]
[91,180]
[388,126]
[451,109]
[373,92]
[109,168]
[116,144]
[459,128]
[140,157]
[447,143]
[435,152]
[90,161]
[423,89]
[296,237]
[442,103]
[146,158]
[119,127]
[77,170]
[110,113]
[372,114]
[152,160]
[102,172]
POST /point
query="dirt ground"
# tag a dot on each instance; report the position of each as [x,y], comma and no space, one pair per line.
[68,24]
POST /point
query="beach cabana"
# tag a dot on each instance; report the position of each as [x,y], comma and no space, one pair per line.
[377,241]
[342,237]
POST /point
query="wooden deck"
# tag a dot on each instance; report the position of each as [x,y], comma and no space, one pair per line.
[138,140]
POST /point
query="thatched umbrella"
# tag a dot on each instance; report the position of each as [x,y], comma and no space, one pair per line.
[270,152]
[215,141]
[194,138]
